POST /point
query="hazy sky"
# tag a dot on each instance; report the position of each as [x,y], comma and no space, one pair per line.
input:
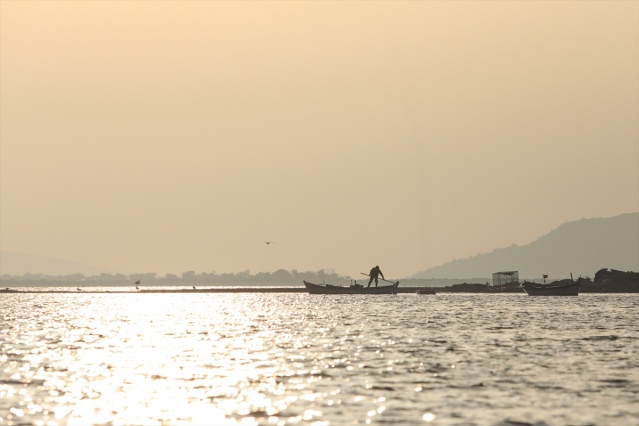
[172,136]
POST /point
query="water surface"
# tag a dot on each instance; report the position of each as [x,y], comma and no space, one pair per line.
[259,358]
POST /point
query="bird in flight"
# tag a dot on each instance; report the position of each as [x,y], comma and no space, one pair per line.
[269,242]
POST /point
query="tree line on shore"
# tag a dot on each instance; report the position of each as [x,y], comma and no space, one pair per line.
[278,277]
[281,277]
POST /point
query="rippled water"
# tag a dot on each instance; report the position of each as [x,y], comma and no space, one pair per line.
[262,358]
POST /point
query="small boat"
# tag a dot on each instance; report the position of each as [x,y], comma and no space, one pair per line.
[352,289]
[565,287]
[426,292]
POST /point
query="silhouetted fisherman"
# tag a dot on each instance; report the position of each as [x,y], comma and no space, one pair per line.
[375,272]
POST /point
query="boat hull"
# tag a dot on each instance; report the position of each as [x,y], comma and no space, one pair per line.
[561,289]
[335,289]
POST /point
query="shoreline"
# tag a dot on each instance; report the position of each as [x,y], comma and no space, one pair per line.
[471,289]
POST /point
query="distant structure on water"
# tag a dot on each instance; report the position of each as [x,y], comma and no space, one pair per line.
[505,277]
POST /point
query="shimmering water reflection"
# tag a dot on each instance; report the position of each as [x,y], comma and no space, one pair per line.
[300,359]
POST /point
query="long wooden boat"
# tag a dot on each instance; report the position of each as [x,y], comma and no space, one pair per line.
[353,289]
[556,288]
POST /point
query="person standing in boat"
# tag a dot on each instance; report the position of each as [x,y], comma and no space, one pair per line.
[375,272]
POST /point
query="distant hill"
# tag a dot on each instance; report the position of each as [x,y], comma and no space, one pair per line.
[581,247]
[13,263]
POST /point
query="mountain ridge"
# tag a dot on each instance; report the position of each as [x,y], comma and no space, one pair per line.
[14,263]
[581,247]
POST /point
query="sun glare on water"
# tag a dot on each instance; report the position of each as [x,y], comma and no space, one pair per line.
[169,359]
[182,363]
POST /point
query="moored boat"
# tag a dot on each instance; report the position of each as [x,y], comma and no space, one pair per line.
[566,287]
[352,289]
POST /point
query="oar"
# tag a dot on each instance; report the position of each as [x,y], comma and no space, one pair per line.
[392,282]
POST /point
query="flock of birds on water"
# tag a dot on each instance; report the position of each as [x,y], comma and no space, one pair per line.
[137,286]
